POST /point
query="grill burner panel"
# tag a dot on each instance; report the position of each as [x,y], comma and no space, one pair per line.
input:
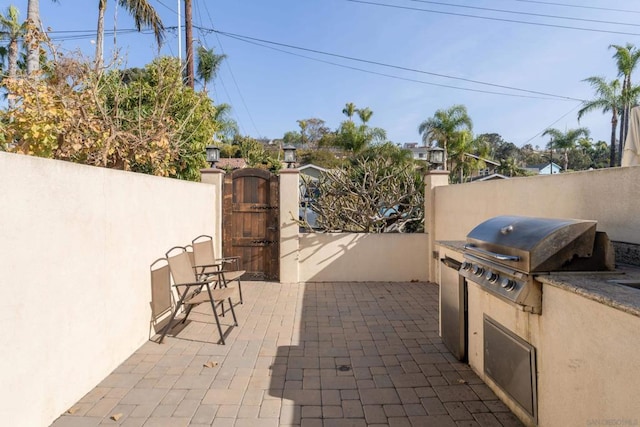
[508,284]
[505,253]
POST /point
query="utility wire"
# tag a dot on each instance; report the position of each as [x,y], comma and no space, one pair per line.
[233,77]
[560,118]
[577,6]
[175,12]
[541,15]
[203,42]
[382,64]
[594,30]
[390,75]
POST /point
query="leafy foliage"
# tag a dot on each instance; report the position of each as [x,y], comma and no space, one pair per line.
[444,127]
[255,155]
[371,194]
[565,141]
[142,120]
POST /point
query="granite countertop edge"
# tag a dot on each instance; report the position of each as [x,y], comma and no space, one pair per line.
[456,245]
[595,286]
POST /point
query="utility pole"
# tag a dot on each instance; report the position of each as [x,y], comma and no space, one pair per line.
[188,30]
[180,32]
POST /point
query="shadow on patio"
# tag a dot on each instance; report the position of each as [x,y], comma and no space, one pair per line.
[316,354]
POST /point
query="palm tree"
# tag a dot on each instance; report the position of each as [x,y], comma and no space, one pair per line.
[608,99]
[143,15]
[627,58]
[364,114]
[443,126]
[565,141]
[227,127]
[33,26]
[509,167]
[12,30]
[349,110]
[208,65]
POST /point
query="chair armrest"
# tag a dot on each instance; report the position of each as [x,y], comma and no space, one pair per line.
[217,264]
[201,282]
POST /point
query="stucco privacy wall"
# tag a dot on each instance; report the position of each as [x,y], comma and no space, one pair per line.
[359,257]
[610,196]
[76,245]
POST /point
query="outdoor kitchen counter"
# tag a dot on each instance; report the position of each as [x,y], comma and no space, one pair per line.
[601,287]
[455,245]
[592,285]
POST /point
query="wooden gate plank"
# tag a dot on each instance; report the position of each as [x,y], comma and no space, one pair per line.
[250,218]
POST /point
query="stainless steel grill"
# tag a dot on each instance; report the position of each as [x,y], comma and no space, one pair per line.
[504,254]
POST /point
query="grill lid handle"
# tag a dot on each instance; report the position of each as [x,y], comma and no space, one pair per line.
[494,255]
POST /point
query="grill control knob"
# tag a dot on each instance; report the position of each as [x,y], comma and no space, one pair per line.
[478,270]
[491,276]
[508,284]
[466,266]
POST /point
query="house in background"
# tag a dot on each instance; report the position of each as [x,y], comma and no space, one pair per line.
[490,168]
[488,177]
[418,152]
[544,169]
[312,171]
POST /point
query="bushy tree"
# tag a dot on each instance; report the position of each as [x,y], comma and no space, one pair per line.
[143,120]
[373,193]
[254,153]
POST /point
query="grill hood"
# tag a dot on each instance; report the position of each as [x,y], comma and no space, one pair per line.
[530,244]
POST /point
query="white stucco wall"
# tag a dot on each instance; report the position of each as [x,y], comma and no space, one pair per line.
[76,245]
[609,196]
[359,257]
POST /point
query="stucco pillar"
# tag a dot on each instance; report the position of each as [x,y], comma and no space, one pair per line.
[216,178]
[432,179]
[289,206]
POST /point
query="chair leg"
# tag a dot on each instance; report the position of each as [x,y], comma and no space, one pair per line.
[173,316]
[240,291]
[215,315]
[187,313]
[233,312]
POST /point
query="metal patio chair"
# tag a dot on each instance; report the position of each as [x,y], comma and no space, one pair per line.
[193,291]
[161,295]
[206,263]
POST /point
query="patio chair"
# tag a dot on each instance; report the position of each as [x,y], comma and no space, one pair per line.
[161,296]
[206,263]
[193,292]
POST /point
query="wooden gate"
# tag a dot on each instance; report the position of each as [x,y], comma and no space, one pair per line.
[251,222]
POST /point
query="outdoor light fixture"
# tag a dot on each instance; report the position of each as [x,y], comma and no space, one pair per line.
[213,155]
[436,157]
[289,155]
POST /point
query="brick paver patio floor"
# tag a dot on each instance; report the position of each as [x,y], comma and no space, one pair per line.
[309,355]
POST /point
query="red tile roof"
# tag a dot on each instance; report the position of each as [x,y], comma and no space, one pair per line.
[232,163]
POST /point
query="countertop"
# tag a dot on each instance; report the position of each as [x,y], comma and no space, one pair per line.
[456,245]
[601,286]
[598,286]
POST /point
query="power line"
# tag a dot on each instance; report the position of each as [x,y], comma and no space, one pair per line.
[578,6]
[239,36]
[515,21]
[224,87]
[541,15]
[233,77]
[390,75]
[175,12]
[547,127]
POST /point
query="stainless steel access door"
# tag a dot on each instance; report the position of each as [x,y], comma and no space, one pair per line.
[453,308]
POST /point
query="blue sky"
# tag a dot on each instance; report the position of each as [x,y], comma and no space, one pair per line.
[269,89]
